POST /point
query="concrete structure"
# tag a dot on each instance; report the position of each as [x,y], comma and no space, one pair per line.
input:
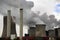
[4,34]
[58,32]
[8,23]
[12,28]
[31,31]
[40,30]
[47,33]
[21,23]
[9,26]
[51,33]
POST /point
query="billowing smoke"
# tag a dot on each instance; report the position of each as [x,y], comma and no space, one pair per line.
[14,6]
[18,3]
[50,21]
[30,18]
[34,18]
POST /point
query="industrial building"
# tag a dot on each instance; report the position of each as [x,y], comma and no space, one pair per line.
[42,18]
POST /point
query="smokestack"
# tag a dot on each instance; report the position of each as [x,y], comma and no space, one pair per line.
[8,23]
[31,31]
[40,30]
[21,23]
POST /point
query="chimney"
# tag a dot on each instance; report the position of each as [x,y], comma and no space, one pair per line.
[8,23]
[40,30]
[21,23]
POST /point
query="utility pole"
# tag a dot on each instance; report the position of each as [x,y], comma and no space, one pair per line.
[21,23]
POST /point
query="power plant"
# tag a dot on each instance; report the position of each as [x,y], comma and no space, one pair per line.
[37,32]
[40,17]
[12,29]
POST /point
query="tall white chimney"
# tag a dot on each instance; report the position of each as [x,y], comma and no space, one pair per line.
[8,23]
[21,23]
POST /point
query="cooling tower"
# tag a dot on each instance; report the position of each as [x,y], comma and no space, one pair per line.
[40,30]
[51,33]
[31,31]
[56,32]
[4,34]
[13,27]
[47,33]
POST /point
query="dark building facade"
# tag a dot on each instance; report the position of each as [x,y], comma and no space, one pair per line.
[40,30]
[13,27]
[31,31]
[56,32]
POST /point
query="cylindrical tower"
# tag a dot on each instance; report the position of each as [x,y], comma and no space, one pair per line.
[12,28]
[40,30]
[31,31]
[4,34]
[21,23]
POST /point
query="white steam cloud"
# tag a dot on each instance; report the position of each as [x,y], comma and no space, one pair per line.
[30,18]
